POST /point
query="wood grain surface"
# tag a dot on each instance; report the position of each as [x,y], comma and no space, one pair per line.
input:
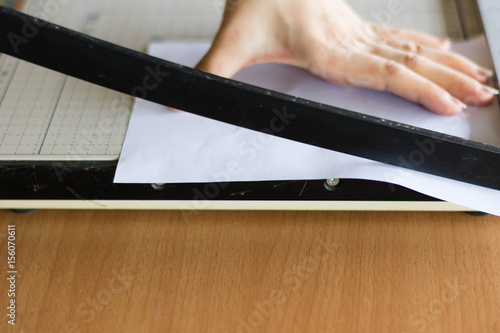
[172,271]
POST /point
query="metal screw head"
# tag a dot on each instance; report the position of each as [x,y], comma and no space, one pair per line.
[331,183]
[158,186]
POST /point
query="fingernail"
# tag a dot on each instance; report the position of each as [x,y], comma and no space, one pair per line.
[458,103]
[489,90]
[484,72]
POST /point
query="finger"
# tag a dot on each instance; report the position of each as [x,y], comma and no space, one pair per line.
[456,83]
[446,58]
[417,37]
[371,71]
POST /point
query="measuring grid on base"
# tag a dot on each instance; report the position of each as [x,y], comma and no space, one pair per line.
[48,116]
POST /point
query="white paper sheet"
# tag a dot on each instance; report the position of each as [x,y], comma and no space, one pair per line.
[164,146]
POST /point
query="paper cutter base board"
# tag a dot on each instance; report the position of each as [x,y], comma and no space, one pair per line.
[66,134]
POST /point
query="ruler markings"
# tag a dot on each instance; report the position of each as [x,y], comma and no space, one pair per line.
[12,74]
[32,110]
[52,114]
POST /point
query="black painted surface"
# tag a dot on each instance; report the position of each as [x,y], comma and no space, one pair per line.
[94,180]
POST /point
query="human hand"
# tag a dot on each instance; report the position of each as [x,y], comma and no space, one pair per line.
[330,40]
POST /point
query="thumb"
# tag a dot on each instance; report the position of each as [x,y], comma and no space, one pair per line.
[222,59]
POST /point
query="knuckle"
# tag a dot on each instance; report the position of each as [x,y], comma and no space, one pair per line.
[410,47]
[374,48]
[411,60]
[370,30]
[391,67]
[393,32]
[375,27]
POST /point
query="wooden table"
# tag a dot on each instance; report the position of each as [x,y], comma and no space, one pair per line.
[162,271]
